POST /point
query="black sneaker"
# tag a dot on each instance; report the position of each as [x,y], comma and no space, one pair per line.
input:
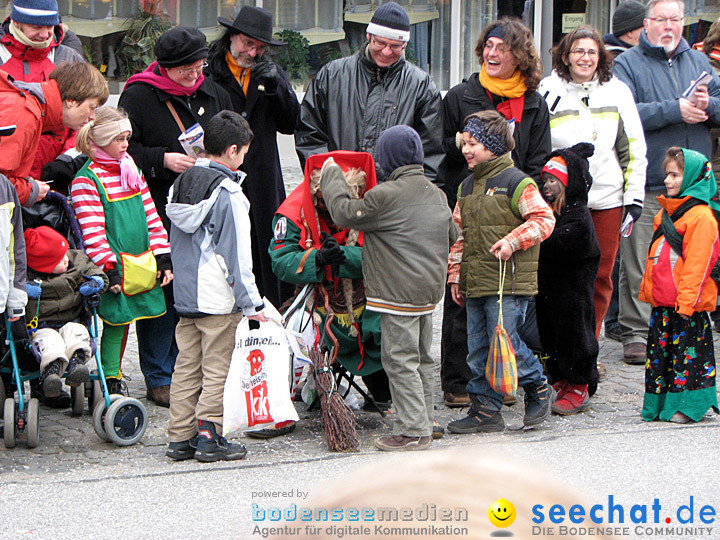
[538,403]
[77,371]
[478,420]
[116,386]
[211,447]
[60,401]
[50,379]
[182,450]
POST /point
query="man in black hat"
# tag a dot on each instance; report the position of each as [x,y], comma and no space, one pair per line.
[262,94]
[352,100]
[627,24]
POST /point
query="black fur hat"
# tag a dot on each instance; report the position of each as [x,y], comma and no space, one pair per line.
[579,179]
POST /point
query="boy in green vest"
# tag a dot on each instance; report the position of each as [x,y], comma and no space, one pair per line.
[502,216]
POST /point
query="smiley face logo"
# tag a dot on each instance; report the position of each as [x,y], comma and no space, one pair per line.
[501,513]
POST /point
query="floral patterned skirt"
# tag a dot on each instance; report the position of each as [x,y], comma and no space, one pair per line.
[680,366]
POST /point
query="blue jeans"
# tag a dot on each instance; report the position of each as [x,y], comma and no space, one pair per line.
[157,348]
[482,317]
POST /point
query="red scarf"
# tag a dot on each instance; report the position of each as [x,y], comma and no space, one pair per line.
[156,75]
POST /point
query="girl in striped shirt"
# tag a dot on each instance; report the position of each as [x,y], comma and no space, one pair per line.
[122,232]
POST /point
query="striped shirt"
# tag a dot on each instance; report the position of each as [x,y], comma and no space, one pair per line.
[539,224]
[91,215]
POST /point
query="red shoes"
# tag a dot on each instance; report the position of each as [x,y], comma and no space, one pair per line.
[571,399]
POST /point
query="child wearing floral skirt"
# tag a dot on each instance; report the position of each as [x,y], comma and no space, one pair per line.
[680,365]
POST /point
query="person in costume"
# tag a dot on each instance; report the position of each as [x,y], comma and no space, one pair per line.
[680,365]
[567,268]
[309,248]
[122,233]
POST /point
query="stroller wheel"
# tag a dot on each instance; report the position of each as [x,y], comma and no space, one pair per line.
[95,393]
[33,423]
[77,399]
[99,415]
[9,428]
[2,397]
[126,421]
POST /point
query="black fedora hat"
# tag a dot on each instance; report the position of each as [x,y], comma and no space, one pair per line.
[254,22]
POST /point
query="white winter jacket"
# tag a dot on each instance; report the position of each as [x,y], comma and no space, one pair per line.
[606,116]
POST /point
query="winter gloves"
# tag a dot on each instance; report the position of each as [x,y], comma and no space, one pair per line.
[634,210]
[94,284]
[330,252]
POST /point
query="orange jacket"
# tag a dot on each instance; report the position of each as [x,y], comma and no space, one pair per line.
[34,108]
[683,283]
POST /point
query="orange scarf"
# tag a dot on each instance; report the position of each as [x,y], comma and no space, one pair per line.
[513,89]
[241,74]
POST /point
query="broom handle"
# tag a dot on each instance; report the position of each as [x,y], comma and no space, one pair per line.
[328,320]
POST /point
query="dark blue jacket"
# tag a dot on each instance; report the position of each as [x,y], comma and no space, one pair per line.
[656,83]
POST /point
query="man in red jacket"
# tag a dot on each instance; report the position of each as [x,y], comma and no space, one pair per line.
[29,50]
[68,99]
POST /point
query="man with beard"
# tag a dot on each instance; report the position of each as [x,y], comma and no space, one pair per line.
[657,71]
[262,94]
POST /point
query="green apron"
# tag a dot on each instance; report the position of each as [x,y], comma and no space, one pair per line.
[127,232]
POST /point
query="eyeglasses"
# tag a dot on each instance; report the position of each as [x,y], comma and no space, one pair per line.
[260,48]
[396,48]
[663,20]
[197,70]
[502,47]
[592,53]
[121,139]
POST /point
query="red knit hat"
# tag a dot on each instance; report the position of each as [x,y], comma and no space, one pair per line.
[558,168]
[45,248]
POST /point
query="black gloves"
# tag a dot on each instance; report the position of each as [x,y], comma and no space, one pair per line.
[634,210]
[163,262]
[113,276]
[266,73]
[330,252]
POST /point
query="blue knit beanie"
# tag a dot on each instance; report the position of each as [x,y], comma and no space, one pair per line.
[37,12]
[396,147]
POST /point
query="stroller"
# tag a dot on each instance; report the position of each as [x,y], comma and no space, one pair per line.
[116,418]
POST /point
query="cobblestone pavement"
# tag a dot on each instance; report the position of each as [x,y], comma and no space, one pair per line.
[69,445]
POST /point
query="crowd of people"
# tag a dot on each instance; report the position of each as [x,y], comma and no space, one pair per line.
[556,205]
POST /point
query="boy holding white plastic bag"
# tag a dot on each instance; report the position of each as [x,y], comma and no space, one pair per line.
[214,287]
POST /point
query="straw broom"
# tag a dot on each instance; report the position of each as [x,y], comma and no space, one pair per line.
[338,419]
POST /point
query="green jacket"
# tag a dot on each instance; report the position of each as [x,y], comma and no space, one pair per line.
[286,254]
[488,202]
[60,301]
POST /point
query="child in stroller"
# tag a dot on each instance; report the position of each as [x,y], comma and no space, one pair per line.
[57,280]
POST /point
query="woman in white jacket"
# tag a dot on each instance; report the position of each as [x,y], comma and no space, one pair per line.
[588,104]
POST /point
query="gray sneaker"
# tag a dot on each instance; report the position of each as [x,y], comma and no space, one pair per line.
[538,403]
[478,420]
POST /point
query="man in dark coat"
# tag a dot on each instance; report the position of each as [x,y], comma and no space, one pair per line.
[352,100]
[262,94]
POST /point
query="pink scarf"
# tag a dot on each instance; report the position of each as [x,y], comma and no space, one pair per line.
[130,178]
[159,79]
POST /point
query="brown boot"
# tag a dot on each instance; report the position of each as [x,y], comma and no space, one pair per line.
[160,395]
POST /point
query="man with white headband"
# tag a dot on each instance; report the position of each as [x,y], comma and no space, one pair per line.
[352,100]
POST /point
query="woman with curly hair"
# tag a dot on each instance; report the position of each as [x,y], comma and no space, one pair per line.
[510,71]
[588,104]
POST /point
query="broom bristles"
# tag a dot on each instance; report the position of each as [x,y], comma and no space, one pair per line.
[338,418]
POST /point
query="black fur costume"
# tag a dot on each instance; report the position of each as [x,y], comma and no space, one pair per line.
[567,268]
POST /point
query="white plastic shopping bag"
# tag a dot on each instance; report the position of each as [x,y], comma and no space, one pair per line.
[256,391]
[301,333]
